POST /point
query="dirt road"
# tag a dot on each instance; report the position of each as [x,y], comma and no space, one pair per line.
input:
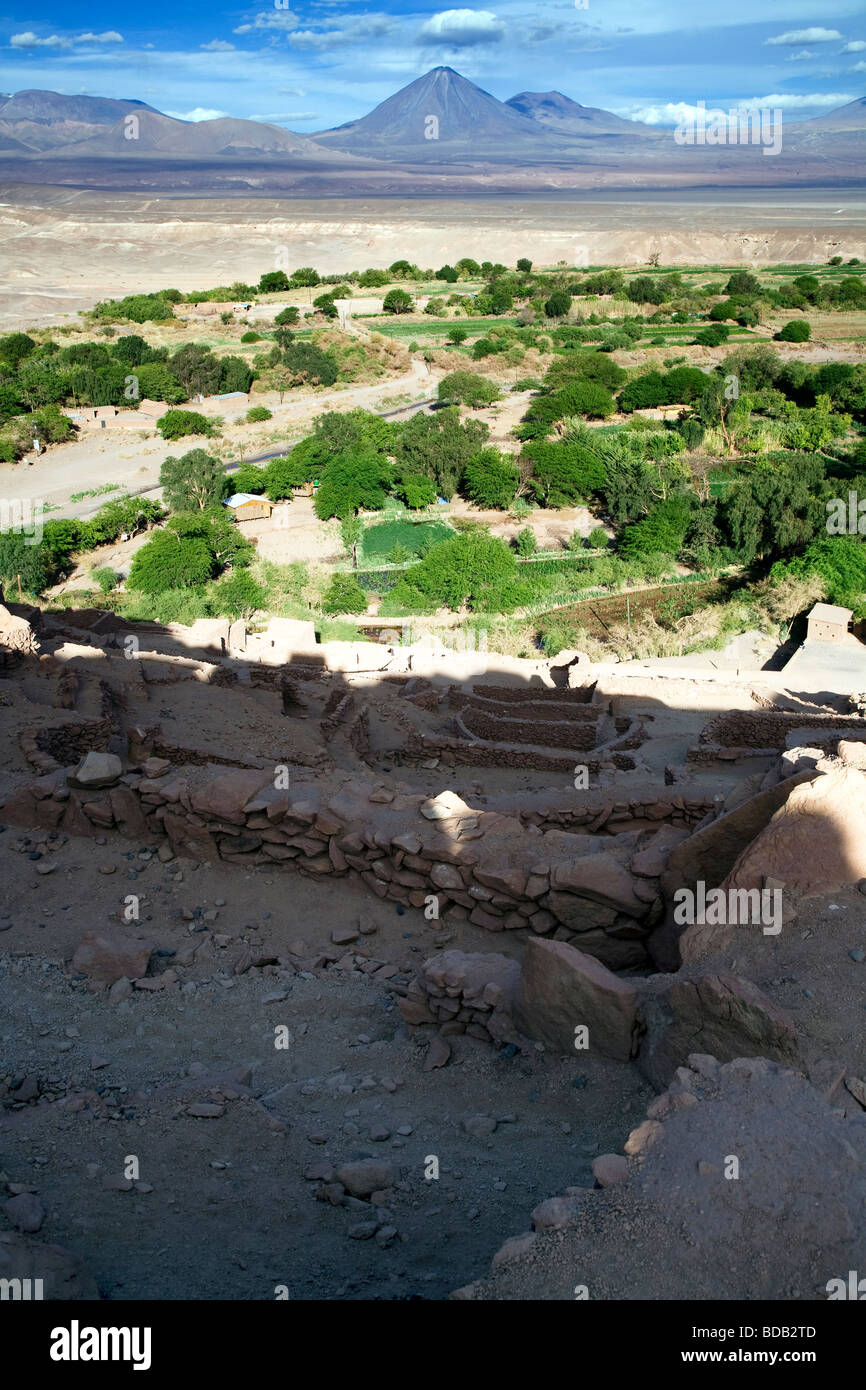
[132,461]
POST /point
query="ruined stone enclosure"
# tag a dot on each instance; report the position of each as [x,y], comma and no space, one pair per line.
[432,870]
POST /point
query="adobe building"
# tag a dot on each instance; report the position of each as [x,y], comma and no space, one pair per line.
[828,623]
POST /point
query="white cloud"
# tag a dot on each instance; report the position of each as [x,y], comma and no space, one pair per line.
[800,57]
[859,67]
[355,31]
[797,103]
[30,40]
[276,117]
[815,35]
[199,113]
[110,36]
[855,46]
[674,112]
[283,20]
[218,46]
[462,28]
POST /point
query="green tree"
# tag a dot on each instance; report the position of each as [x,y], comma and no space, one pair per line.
[353,481]
[273,281]
[216,528]
[169,561]
[351,531]
[309,365]
[398,302]
[156,382]
[491,479]
[558,304]
[16,346]
[372,279]
[197,370]
[741,283]
[662,531]
[415,490]
[465,569]
[775,512]
[439,446]
[524,265]
[238,595]
[195,480]
[344,595]
[287,316]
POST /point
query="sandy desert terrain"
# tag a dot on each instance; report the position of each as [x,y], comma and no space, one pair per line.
[63,250]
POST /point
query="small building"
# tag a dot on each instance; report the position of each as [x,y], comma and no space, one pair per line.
[152,410]
[245,506]
[828,623]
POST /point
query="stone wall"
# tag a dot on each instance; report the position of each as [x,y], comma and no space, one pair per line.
[768,729]
[473,723]
[465,993]
[502,872]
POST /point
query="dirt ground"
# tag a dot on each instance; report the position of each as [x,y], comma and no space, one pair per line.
[228,1212]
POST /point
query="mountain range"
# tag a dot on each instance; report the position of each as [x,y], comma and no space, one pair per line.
[438,133]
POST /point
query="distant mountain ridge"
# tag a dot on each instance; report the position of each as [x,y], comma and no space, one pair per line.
[560,114]
[439,114]
[439,132]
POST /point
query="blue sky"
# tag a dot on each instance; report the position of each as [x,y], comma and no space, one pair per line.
[310,64]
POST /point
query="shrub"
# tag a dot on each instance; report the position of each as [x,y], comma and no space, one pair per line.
[558,305]
[526,542]
[105,578]
[797,331]
[32,564]
[258,413]
[177,423]
[251,337]
[470,388]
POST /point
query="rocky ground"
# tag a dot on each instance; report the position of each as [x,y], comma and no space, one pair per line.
[225,1204]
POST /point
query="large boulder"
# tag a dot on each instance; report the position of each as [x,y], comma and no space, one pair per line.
[562,988]
[708,855]
[109,958]
[815,842]
[226,793]
[723,1015]
[97,770]
[600,878]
